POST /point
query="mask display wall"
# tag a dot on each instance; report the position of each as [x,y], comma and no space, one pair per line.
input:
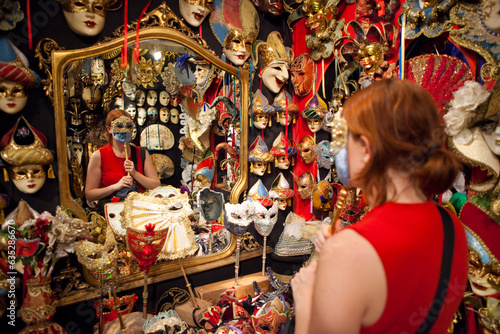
[15,78]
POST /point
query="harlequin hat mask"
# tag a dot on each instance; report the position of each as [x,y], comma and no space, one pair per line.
[258,192]
[261,110]
[283,104]
[280,191]
[211,204]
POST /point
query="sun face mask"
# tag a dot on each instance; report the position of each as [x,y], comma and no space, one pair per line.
[238,217]
[211,204]
[122,129]
[265,219]
[302,73]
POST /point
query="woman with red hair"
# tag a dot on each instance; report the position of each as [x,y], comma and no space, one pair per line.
[403,267]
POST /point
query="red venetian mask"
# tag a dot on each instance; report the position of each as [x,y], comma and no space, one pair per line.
[145,245]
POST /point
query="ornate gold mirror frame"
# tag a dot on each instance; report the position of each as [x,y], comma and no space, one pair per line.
[161,24]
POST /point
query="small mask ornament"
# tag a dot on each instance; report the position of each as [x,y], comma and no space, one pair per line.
[204,171]
[141,116]
[24,149]
[122,129]
[151,98]
[15,78]
[259,193]
[147,70]
[280,191]
[261,110]
[211,204]
[306,149]
[283,152]
[271,7]
[303,74]
[276,59]
[315,111]
[170,213]
[195,11]
[140,97]
[235,24]
[174,116]
[131,110]
[164,98]
[98,75]
[87,17]
[152,114]
[324,154]
[285,108]
[129,89]
[91,95]
[259,157]
[237,217]
[164,115]
[306,185]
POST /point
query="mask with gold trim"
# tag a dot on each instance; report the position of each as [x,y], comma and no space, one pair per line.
[280,191]
[259,193]
[122,128]
[271,7]
[270,317]
[283,104]
[86,17]
[195,11]
[24,148]
[306,185]
[283,152]
[315,111]
[262,111]
[125,306]
[306,146]
[235,24]
[15,77]
[259,157]
[303,73]
[145,244]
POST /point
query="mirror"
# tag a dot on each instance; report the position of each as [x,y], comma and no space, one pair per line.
[171,84]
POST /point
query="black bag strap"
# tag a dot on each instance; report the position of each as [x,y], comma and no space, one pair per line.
[444,275]
[133,156]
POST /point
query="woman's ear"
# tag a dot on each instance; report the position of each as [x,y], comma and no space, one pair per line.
[367,148]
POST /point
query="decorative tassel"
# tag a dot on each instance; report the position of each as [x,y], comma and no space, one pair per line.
[293,161]
[293,119]
[268,168]
[277,117]
[289,202]
[275,162]
[270,121]
[251,167]
[5,175]
[50,173]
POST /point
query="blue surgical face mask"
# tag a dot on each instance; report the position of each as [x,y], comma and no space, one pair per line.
[342,166]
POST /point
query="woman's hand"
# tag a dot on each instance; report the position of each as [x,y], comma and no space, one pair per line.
[129,167]
[324,233]
[303,287]
[125,182]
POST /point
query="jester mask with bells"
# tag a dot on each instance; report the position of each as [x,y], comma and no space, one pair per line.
[283,152]
[285,108]
[303,73]
[235,24]
[259,193]
[306,185]
[145,244]
[306,146]
[237,217]
[265,219]
[261,112]
[15,78]
[275,61]
[170,213]
[24,149]
[315,111]
[259,157]
[87,17]
[204,172]
[280,191]
[211,204]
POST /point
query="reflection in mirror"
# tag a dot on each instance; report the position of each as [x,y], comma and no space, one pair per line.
[175,90]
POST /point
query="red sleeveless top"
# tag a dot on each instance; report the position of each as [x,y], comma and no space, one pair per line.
[409,240]
[112,169]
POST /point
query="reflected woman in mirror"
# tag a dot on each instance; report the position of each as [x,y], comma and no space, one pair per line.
[119,168]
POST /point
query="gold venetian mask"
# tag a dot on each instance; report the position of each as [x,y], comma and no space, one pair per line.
[238,46]
[317,16]
[484,277]
[371,56]
[306,149]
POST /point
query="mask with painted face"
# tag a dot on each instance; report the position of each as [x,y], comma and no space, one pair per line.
[270,7]
[122,129]
[302,73]
[152,114]
[141,116]
[195,11]
[259,156]
[306,149]
[130,90]
[131,110]
[164,98]
[86,17]
[164,115]
[306,185]
[174,116]
[211,204]
[140,97]
[91,95]
[280,191]
[152,97]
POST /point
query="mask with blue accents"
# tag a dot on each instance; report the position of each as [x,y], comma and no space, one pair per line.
[122,129]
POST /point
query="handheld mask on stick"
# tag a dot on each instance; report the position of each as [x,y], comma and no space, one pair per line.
[122,129]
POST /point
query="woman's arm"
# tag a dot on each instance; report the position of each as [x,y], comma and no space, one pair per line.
[93,192]
[149,180]
[349,289]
